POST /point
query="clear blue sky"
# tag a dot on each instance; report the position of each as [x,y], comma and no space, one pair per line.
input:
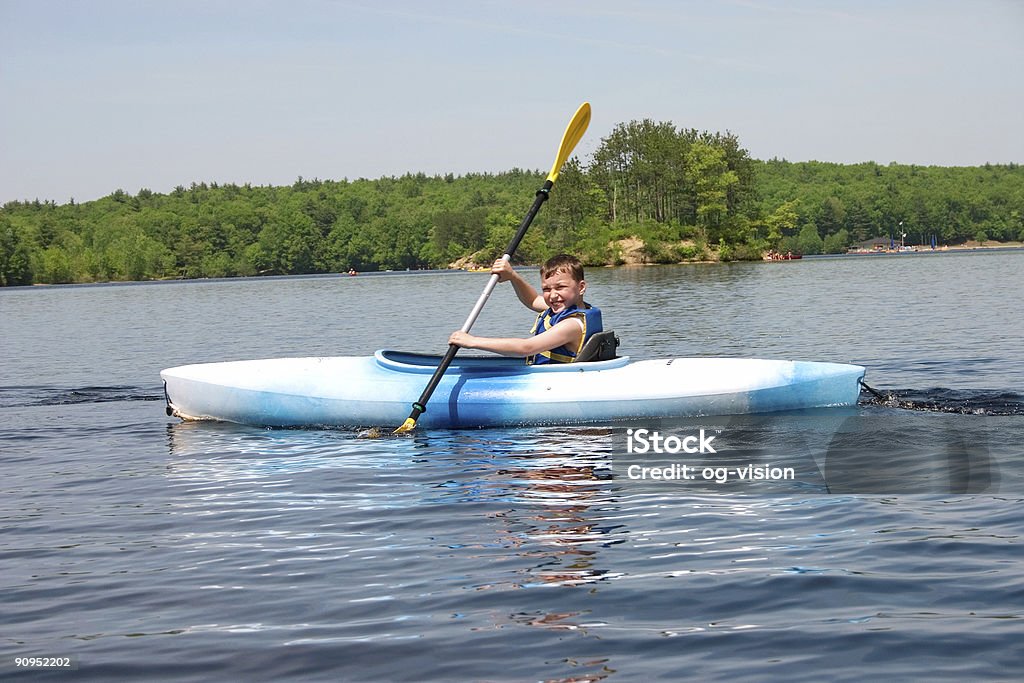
[101,95]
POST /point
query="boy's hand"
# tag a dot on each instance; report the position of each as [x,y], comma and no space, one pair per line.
[460,338]
[503,269]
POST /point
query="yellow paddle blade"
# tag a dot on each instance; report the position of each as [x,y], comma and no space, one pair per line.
[573,132]
[407,426]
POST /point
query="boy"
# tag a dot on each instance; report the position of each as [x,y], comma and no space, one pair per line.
[565,322]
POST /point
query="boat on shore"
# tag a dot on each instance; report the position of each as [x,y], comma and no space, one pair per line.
[778,256]
[479,391]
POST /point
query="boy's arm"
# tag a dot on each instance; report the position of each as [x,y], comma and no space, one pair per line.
[524,290]
[565,333]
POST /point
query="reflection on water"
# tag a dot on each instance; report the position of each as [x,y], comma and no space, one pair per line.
[390,551]
[563,525]
[553,501]
[548,492]
[546,499]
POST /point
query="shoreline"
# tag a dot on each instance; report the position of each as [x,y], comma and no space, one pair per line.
[989,249]
[926,251]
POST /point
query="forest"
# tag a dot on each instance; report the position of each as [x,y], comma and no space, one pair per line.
[682,194]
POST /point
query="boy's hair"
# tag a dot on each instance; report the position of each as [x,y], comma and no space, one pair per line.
[563,263]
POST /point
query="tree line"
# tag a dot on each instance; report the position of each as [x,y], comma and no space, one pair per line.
[686,194]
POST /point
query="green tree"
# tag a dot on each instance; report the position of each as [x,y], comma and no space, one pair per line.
[837,243]
[809,241]
[15,257]
[55,266]
[287,245]
[781,221]
[831,215]
[711,178]
[570,209]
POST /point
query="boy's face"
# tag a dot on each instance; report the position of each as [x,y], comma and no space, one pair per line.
[560,291]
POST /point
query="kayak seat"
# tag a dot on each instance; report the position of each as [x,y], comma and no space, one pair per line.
[601,346]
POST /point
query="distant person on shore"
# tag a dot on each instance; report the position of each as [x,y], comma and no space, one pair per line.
[564,324]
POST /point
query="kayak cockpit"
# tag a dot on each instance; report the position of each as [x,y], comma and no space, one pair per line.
[403,361]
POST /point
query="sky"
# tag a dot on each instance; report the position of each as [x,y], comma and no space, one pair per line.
[102,95]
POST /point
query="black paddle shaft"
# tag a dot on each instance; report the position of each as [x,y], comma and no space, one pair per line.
[542,196]
[420,406]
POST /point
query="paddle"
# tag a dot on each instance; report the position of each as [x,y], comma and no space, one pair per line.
[573,132]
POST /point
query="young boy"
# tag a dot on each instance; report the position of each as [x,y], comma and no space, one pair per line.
[565,322]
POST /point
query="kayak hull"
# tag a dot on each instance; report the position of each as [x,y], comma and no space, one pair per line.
[379,390]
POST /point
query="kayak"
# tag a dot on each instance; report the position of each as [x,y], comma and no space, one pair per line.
[479,391]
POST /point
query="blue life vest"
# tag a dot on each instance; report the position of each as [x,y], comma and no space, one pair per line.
[591,317]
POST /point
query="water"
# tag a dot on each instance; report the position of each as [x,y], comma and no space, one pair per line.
[147,548]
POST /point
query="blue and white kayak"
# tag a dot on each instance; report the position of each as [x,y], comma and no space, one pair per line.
[378,390]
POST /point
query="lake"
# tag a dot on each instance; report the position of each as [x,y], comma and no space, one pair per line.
[139,546]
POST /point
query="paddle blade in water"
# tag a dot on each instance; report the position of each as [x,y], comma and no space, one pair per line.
[407,426]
